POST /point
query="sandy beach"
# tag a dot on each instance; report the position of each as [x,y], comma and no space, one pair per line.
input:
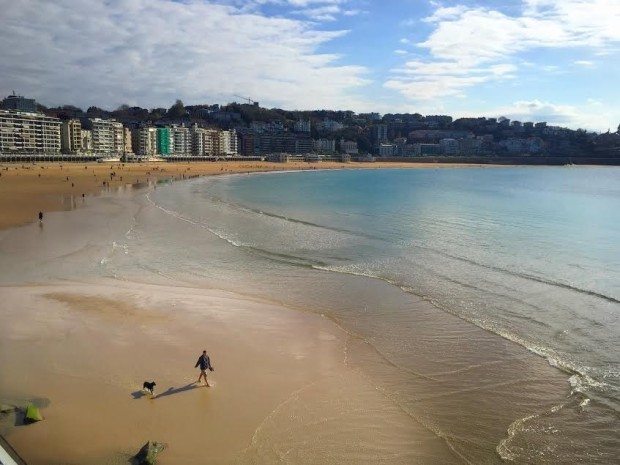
[81,348]
[132,281]
[26,189]
[85,355]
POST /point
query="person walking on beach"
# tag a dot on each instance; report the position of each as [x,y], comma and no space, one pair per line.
[40,217]
[205,364]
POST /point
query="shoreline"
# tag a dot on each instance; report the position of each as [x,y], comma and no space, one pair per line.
[288,315]
[26,189]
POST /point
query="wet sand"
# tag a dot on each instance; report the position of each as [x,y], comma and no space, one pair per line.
[83,350]
[26,189]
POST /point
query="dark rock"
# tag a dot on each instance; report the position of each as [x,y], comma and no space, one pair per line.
[148,453]
[5,408]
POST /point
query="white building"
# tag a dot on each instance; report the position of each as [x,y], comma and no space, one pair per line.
[324,145]
[348,147]
[28,132]
[87,140]
[182,141]
[233,143]
[387,150]
[118,132]
[108,136]
[329,125]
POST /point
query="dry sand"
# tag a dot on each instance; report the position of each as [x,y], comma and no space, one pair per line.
[89,355]
[26,189]
[281,390]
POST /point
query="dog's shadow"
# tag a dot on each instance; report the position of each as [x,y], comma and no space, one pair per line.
[169,392]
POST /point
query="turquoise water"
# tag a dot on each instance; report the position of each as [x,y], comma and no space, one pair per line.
[532,254]
[529,254]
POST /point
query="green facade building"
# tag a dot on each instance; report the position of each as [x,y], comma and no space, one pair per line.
[164,141]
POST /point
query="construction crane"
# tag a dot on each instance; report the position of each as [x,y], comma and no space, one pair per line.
[248,99]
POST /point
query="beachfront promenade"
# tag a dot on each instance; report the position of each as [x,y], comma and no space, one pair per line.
[284,157]
[79,158]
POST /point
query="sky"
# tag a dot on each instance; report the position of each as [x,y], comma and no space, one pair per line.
[531,60]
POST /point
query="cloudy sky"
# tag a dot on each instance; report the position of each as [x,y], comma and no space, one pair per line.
[547,60]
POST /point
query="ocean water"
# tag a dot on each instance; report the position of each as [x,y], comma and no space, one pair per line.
[527,259]
[481,303]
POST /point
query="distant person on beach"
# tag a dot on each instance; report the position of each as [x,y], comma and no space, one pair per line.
[205,364]
[40,217]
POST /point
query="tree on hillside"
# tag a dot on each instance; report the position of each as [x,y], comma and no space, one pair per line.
[96,112]
[177,110]
[157,114]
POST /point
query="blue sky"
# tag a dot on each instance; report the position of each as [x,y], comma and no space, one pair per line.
[552,60]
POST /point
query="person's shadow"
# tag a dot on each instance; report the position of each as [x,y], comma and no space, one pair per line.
[169,392]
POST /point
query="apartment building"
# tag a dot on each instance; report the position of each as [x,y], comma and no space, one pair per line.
[165,141]
[246,143]
[197,136]
[118,132]
[144,141]
[381,133]
[325,145]
[212,142]
[71,136]
[387,150]
[304,145]
[348,147]
[207,142]
[87,140]
[19,103]
[230,144]
[450,146]
[224,143]
[127,142]
[105,135]
[181,140]
[329,125]
[28,132]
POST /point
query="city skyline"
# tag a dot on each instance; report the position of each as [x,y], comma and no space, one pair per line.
[538,60]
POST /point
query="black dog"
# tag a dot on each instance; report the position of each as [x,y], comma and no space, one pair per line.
[149,386]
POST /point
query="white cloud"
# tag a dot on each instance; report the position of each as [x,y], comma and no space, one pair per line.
[316,10]
[465,38]
[419,80]
[589,115]
[321,13]
[150,52]
[443,13]
[584,63]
